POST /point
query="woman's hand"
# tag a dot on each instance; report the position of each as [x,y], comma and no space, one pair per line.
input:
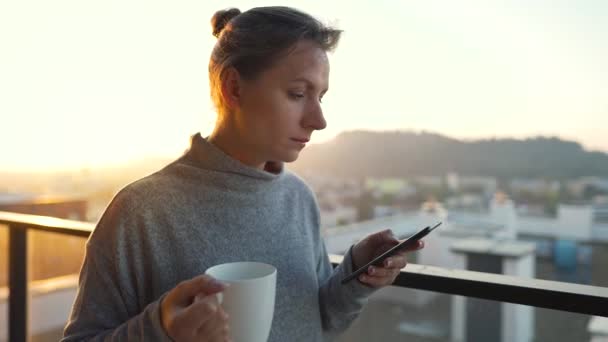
[372,246]
[191,312]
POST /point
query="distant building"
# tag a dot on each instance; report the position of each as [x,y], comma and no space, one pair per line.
[600,209]
[431,181]
[479,184]
[502,211]
[338,216]
[473,202]
[55,206]
[400,188]
[534,186]
[579,186]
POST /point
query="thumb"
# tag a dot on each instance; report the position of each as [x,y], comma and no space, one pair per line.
[204,284]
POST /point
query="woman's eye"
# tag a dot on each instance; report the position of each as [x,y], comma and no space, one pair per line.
[296,95]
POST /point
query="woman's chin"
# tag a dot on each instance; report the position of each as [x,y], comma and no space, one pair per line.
[290,156]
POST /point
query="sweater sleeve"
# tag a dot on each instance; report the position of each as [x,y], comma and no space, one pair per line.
[106,307]
[340,304]
[101,311]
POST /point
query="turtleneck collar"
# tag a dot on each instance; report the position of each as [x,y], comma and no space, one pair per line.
[205,155]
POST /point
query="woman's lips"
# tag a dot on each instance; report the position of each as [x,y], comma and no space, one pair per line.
[301,142]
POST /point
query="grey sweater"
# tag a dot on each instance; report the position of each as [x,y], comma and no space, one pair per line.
[204,209]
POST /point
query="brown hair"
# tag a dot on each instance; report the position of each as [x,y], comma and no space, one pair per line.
[253,40]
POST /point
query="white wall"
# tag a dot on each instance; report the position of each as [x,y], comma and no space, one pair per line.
[574,221]
[50,303]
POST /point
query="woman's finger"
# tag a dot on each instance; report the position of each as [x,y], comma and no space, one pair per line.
[419,245]
[395,262]
[414,247]
[386,273]
[375,281]
[203,309]
[379,272]
[216,328]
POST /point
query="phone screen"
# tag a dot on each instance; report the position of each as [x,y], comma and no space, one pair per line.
[380,259]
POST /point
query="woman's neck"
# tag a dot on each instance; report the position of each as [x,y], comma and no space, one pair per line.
[230,143]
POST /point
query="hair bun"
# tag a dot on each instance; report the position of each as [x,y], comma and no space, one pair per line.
[221,18]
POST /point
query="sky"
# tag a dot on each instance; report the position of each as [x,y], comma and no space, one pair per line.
[89,83]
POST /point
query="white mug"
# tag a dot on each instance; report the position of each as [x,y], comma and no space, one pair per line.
[249,300]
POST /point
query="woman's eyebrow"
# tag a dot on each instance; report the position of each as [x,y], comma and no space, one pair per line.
[302,79]
[308,82]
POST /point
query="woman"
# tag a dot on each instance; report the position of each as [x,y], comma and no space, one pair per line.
[229,198]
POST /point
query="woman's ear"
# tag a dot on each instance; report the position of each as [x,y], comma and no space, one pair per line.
[231,88]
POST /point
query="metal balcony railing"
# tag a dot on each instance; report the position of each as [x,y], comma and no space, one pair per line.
[583,299]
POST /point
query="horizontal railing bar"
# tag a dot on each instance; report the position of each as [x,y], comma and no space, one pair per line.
[583,299]
[577,298]
[46,223]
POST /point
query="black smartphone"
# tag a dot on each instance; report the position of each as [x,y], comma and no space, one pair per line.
[377,261]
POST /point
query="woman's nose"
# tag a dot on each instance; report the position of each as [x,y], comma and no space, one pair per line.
[315,119]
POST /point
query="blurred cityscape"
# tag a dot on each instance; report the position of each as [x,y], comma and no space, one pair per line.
[534,228]
[530,228]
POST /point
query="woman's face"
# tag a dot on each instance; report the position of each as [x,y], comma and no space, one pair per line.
[279,110]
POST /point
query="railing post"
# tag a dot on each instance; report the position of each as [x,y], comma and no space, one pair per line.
[17,283]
